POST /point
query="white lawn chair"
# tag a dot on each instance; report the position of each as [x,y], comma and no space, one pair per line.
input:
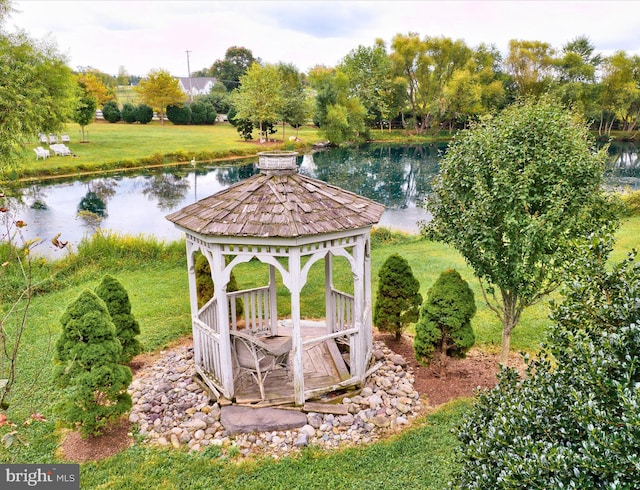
[53,139]
[61,149]
[41,153]
[42,138]
[65,138]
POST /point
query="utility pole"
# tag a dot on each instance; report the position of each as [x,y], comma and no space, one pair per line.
[189,75]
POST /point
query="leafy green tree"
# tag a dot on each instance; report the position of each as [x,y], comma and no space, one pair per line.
[576,74]
[296,108]
[111,112]
[243,126]
[619,92]
[88,368]
[531,65]
[572,420]
[370,74]
[115,296]
[398,299]
[35,72]
[160,90]
[85,112]
[340,115]
[259,98]
[237,60]
[444,325]
[513,194]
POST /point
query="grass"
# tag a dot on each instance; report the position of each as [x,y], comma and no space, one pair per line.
[121,145]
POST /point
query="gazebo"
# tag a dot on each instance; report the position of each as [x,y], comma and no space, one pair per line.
[288,222]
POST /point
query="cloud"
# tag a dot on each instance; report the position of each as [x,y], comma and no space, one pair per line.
[322,19]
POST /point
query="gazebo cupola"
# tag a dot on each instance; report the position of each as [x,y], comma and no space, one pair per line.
[288,222]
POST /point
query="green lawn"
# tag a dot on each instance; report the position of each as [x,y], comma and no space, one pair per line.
[122,145]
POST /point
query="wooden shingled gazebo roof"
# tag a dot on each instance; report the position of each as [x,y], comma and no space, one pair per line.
[278,202]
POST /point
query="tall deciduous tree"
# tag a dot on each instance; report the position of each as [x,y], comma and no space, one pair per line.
[237,60]
[259,98]
[296,104]
[371,79]
[512,195]
[37,90]
[531,65]
[160,90]
[339,114]
[94,86]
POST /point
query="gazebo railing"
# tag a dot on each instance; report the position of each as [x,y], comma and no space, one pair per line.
[206,345]
[342,317]
[257,312]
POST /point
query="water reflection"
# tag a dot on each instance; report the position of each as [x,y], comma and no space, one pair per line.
[399,176]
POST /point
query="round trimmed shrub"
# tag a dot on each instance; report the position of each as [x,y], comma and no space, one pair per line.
[128,113]
[179,115]
[144,114]
[111,111]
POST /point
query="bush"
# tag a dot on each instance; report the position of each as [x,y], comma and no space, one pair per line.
[111,112]
[88,369]
[115,296]
[572,421]
[398,300]
[129,113]
[631,200]
[204,283]
[445,320]
[202,113]
[179,115]
[144,114]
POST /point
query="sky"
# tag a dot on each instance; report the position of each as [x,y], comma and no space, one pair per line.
[185,36]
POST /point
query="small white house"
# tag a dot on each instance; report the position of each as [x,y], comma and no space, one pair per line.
[196,85]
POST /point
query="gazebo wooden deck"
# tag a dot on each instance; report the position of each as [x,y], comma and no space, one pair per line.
[323,363]
[288,222]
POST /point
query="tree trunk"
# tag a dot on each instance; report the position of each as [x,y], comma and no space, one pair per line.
[443,359]
[509,321]
[506,346]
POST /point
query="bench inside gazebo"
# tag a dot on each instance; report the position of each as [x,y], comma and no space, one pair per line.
[287,222]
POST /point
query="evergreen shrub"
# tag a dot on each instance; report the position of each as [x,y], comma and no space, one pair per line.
[115,296]
[94,383]
[111,112]
[179,115]
[398,300]
[444,325]
[144,114]
[129,113]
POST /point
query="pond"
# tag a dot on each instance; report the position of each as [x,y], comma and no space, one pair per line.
[398,176]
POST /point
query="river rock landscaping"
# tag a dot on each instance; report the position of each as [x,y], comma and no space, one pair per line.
[171,409]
